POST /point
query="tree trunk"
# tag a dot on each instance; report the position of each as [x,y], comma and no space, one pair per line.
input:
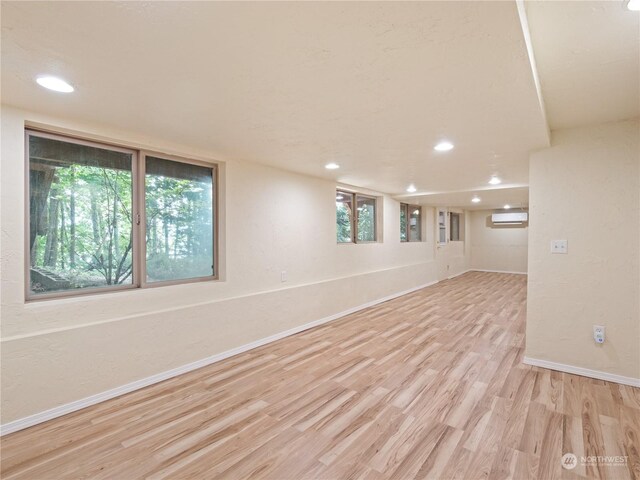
[72,225]
[51,251]
[63,234]
[94,219]
[165,226]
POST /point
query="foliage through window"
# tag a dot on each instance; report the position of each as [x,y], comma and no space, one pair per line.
[366,215]
[355,226]
[85,232]
[404,224]
[344,216]
[410,223]
[179,214]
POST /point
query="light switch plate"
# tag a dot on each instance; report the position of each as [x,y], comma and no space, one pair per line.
[559,246]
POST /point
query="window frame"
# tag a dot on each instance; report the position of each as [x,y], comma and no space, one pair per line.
[138,213]
[143,218]
[409,208]
[353,217]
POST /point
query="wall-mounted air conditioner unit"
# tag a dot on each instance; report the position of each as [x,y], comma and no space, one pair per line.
[510,218]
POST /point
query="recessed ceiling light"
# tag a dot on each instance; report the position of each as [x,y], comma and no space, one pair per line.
[443,146]
[54,83]
[633,5]
[476,199]
[332,166]
[507,207]
[411,188]
[495,181]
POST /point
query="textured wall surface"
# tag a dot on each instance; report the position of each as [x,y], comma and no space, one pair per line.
[497,248]
[57,351]
[586,189]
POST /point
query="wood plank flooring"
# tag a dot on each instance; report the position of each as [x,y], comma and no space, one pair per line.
[429,385]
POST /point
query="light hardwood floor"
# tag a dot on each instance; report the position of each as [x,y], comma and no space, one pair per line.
[429,385]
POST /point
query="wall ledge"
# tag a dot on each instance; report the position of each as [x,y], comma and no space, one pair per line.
[584,372]
[76,405]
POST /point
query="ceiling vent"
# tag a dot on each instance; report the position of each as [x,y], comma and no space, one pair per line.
[510,218]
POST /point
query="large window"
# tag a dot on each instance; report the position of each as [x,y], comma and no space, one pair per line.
[410,223]
[359,225]
[104,218]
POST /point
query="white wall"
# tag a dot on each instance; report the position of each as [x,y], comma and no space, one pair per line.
[58,351]
[502,248]
[585,188]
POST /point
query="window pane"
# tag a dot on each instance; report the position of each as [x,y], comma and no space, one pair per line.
[179,212]
[442,226]
[404,210]
[344,217]
[455,227]
[80,204]
[366,219]
[414,224]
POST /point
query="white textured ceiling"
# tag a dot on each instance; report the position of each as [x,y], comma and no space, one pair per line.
[370,85]
[490,198]
[588,59]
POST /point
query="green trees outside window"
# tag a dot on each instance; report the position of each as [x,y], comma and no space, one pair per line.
[344,216]
[85,229]
[410,223]
[355,226]
[80,214]
[366,213]
[179,217]
[404,214]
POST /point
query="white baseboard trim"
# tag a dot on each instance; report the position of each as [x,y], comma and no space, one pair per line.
[585,372]
[76,405]
[496,271]
[458,274]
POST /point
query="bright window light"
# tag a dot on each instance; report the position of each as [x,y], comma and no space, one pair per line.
[443,146]
[55,84]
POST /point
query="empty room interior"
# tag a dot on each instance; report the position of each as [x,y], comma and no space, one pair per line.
[320,240]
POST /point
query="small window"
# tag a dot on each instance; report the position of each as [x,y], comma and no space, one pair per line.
[344,216]
[414,223]
[404,222]
[366,215]
[355,225]
[106,218]
[442,226]
[454,227]
[410,223]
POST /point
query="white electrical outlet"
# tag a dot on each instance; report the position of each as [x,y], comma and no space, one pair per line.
[559,246]
[283,276]
[598,333]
